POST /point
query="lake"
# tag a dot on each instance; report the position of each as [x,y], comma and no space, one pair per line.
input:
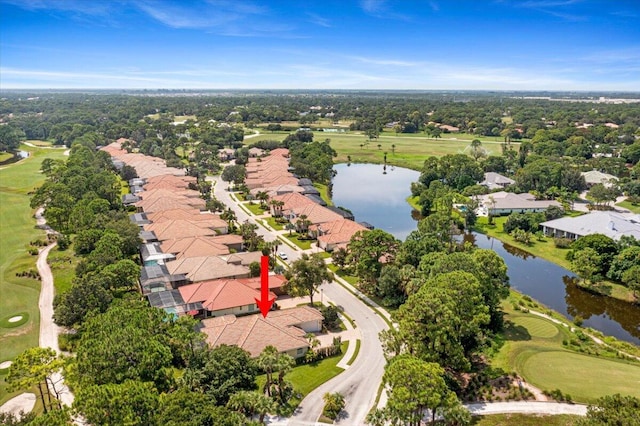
[377,195]
[380,199]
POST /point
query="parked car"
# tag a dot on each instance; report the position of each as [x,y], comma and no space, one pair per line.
[283,255]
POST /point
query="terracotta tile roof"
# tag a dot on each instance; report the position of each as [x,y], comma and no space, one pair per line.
[172,179]
[275,282]
[194,247]
[217,295]
[155,205]
[292,317]
[174,229]
[145,166]
[206,268]
[253,333]
[229,239]
[243,258]
[168,193]
[339,231]
[315,214]
[202,219]
[293,201]
[183,214]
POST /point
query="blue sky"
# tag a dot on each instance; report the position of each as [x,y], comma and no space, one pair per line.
[348,44]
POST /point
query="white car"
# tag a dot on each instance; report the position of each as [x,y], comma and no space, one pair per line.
[283,255]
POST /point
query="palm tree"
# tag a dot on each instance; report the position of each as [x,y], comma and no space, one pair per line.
[268,361]
[262,405]
[230,216]
[276,207]
[476,149]
[284,364]
[263,196]
[303,223]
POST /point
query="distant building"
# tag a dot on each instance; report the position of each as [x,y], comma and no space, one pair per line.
[613,225]
[494,180]
[595,177]
[504,203]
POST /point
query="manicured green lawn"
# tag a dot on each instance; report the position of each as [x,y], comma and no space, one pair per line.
[255,209]
[627,205]
[275,225]
[534,349]
[525,420]
[584,377]
[410,150]
[4,156]
[307,377]
[303,244]
[324,193]
[63,266]
[19,294]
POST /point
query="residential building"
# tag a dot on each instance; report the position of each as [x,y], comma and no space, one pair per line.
[612,224]
[504,203]
[283,329]
[595,177]
[494,180]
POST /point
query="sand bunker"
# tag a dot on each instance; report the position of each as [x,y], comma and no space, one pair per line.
[5,364]
[15,319]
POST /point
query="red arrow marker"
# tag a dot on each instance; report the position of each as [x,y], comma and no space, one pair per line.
[264,303]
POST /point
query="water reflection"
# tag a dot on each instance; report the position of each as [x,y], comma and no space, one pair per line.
[515,251]
[376,194]
[381,200]
[556,288]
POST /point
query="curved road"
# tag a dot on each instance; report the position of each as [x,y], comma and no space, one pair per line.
[49,330]
[359,383]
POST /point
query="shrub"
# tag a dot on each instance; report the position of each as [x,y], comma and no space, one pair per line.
[562,242]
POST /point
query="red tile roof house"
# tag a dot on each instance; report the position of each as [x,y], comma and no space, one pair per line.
[283,329]
[291,201]
[224,297]
[169,182]
[194,247]
[331,235]
[204,268]
[315,213]
[164,192]
[169,203]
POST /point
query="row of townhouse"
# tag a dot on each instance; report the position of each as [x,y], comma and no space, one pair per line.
[299,202]
[191,265]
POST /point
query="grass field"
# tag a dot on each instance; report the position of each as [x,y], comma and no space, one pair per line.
[403,150]
[18,228]
[534,348]
[525,420]
[627,205]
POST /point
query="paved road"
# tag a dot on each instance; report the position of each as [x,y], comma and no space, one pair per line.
[49,331]
[359,383]
[528,407]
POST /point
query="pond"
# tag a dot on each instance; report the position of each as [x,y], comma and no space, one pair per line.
[555,287]
[376,194]
[380,199]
